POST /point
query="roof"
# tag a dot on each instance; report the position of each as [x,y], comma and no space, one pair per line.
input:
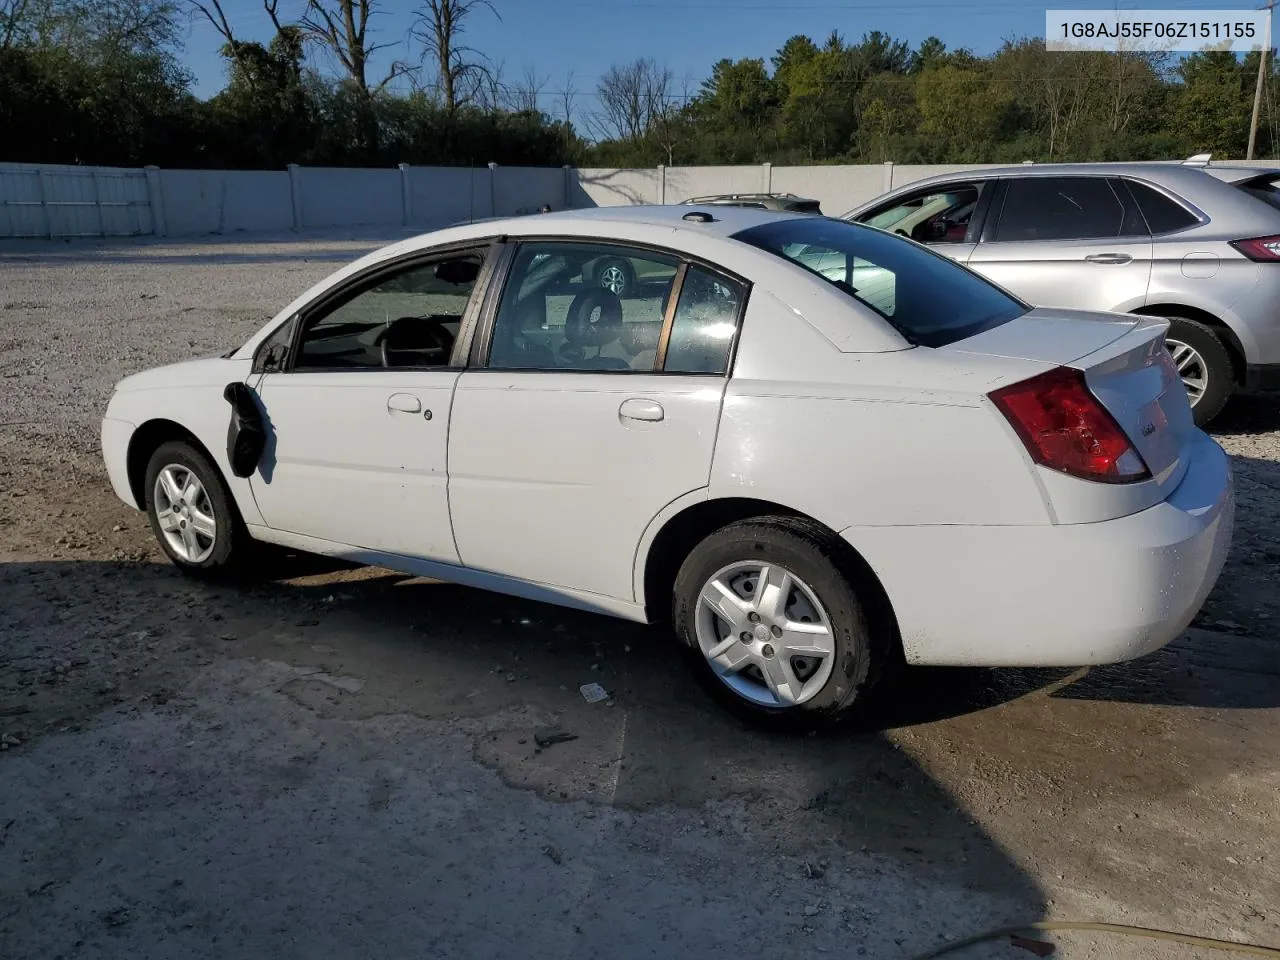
[724,220]
[1175,174]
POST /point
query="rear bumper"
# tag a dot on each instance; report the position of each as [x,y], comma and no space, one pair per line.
[1262,376]
[1064,595]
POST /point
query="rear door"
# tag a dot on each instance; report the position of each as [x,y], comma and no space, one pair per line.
[1073,241]
[583,413]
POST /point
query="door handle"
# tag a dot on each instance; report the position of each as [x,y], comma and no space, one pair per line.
[1108,258]
[636,409]
[404,403]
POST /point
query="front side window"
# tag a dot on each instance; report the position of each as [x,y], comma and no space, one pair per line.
[1063,208]
[940,215]
[408,319]
[582,306]
[930,299]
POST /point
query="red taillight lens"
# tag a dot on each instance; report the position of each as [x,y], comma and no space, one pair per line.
[1066,428]
[1261,249]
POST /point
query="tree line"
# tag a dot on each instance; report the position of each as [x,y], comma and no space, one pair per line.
[102,82]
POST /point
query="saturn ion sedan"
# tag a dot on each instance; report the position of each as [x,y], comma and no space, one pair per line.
[809,448]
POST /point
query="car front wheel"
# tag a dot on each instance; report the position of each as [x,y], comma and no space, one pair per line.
[192,514]
[773,626]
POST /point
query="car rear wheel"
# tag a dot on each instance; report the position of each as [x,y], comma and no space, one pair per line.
[615,274]
[772,626]
[191,512]
[1204,365]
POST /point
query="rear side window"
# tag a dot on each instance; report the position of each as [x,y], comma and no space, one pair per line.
[930,299]
[1163,214]
[1060,208]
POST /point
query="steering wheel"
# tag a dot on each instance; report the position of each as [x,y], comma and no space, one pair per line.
[428,336]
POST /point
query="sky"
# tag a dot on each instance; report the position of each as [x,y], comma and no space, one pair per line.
[554,37]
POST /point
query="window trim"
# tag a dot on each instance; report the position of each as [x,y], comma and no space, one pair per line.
[1126,202]
[488,247]
[481,345]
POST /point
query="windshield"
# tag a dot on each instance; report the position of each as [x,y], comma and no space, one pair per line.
[929,299]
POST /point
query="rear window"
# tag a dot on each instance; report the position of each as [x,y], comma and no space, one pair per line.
[805,206]
[930,299]
[1264,188]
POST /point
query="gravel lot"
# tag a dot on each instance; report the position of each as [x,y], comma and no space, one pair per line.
[347,760]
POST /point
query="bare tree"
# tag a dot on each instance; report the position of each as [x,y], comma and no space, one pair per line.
[632,96]
[567,97]
[12,15]
[462,75]
[342,27]
[217,17]
[527,92]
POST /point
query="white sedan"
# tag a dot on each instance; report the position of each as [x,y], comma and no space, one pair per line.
[809,473]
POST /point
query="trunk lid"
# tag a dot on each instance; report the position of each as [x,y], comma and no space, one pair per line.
[1126,366]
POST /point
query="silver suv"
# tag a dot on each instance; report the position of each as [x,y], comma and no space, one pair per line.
[1197,243]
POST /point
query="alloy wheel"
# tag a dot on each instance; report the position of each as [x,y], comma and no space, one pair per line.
[1191,367]
[614,279]
[185,513]
[765,634]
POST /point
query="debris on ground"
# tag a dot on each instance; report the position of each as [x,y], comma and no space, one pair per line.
[549,736]
[553,853]
[1039,947]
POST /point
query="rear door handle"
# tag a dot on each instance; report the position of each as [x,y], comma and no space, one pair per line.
[1108,258]
[404,403]
[636,409]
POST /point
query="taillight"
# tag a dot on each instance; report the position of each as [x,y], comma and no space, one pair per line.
[1066,428]
[1261,249]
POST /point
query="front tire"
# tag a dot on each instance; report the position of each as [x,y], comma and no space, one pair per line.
[772,625]
[1204,365]
[192,514]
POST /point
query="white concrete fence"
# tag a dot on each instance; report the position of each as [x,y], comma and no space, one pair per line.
[48,200]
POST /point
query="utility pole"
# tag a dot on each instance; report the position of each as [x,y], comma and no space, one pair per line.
[1262,72]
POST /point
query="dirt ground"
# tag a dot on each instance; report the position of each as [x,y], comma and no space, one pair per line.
[341,761]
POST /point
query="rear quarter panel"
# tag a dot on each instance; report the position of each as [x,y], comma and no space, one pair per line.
[884,439]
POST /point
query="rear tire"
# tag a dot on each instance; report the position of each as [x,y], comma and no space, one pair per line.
[192,513]
[1205,364]
[615,274]
[788,645]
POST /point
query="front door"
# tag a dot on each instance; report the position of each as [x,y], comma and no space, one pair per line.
[944,216]
[590,413]
[1067,242]
[358,418]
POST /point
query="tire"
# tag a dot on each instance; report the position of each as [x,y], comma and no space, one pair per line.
[818,690]
[220,555]
[1197,345]
[616,274]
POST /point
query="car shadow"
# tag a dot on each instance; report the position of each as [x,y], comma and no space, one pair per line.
[1247,413]
[856,804]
